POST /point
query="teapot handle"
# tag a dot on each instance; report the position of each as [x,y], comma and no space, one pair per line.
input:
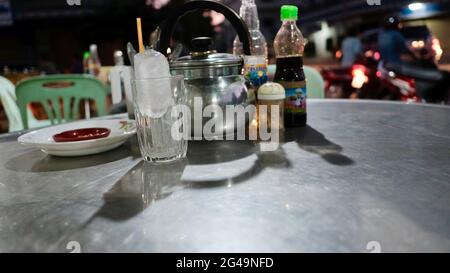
[237,22]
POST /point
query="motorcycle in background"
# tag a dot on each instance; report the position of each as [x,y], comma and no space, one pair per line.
[348,82]
[367,79]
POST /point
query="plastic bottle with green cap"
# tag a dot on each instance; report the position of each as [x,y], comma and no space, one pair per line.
[289,46]
[86,56]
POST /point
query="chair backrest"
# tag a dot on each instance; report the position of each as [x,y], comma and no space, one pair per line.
[315,83]
[68,89]
[8,99]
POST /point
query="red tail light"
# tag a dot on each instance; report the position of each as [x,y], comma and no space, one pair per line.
[358,69]
[377,56]
[359,76]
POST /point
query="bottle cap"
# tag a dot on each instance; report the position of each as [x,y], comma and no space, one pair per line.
[271,91]
[289,12]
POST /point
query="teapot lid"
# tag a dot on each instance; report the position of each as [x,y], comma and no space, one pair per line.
[211,60]
[202,56]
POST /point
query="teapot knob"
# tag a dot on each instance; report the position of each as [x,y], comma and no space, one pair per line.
[201,46]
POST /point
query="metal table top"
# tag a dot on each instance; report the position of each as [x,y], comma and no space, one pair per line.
[360,172]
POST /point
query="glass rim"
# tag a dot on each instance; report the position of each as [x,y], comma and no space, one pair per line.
[178,77]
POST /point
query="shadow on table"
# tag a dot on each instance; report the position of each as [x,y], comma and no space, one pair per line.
[142,186]
[36,161]
[209,165]
[312,141]
[237,162]
[147,184]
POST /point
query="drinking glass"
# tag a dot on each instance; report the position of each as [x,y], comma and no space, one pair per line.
[154,100]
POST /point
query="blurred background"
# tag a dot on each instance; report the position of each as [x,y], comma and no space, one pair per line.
[51,36]
[52,30]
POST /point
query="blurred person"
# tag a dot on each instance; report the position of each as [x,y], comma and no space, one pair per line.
[46,66]
[157,4]
[221,31]
[392,44]
[397,56]
[351,48]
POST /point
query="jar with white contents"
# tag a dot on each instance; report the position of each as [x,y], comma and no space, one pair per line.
[271,94]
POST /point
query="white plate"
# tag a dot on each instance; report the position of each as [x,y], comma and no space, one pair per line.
[42,139]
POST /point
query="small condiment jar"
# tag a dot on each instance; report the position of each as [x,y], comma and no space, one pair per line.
[270,94]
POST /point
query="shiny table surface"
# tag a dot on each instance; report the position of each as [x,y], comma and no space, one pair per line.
[360,172]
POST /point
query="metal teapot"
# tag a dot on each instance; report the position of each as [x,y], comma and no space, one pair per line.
[214,77]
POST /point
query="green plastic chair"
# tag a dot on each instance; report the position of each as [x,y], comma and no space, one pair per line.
[8,99]
[49,90]
[314,81]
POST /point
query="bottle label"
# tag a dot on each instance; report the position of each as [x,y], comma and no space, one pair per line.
[255,70]
[296,95]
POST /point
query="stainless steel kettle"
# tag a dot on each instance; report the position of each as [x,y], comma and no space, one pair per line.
[214,77]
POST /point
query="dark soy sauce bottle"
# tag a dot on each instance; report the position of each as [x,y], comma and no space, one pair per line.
[289,46]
